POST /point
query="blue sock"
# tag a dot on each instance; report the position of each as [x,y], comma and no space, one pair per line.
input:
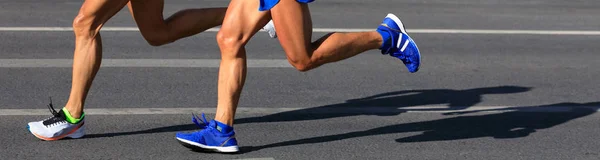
[386,45]
[223,128]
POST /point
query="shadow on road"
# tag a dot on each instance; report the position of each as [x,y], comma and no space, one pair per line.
[394,101]
[455,99]
[518,122]
[514,123]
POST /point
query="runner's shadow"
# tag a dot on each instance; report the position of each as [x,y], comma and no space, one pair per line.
[454,99]
[514,123]
[392,103]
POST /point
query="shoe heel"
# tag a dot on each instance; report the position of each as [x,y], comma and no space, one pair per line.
[270,28]
[78,134]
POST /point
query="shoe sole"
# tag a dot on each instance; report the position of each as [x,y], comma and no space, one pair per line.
[69,134]
[403,30]
[198,146]
[418,53]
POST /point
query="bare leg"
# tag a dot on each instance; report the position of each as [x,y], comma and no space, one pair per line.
[240,24]
[88,48]
[294,29]
[148,14]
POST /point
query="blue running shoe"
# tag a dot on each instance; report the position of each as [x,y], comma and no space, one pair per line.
[208,138]
[397,43]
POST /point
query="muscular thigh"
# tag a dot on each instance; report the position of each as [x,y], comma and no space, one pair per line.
[294,28]
[97,12]
[243,19]
[148,14]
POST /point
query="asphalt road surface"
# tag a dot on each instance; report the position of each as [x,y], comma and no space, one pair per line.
[499,80]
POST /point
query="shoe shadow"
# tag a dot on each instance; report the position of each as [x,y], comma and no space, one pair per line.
[393,101]
[513,123]
[186,127]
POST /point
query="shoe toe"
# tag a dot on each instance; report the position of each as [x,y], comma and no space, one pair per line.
[183,135]
[34,125]
[412,68]
[188,136]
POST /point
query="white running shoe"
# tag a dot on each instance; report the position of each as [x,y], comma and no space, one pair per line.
[270,28]
[56,127]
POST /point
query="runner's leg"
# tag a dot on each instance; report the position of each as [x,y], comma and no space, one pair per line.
[148,14]
[241,22]
[88,48]
[294,30]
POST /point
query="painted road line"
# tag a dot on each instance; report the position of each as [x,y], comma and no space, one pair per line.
[268,158]
[318,110]
[182,63]
[326,30]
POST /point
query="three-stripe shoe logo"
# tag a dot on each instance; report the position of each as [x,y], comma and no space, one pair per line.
[403,39]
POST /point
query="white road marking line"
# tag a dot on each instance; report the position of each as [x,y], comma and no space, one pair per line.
[268,158]
[184,63]
[274,110]
[429,31]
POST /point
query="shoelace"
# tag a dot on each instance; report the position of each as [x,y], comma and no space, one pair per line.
[56,117]
[197,121]
[51,108]
[202,123]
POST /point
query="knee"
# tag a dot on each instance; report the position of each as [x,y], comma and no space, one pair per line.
[300,64]
[228,40]
[157,35]
[157,39]
[83,26]
[230,43]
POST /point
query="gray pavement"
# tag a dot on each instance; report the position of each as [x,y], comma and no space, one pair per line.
[507,135]
[462,75]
